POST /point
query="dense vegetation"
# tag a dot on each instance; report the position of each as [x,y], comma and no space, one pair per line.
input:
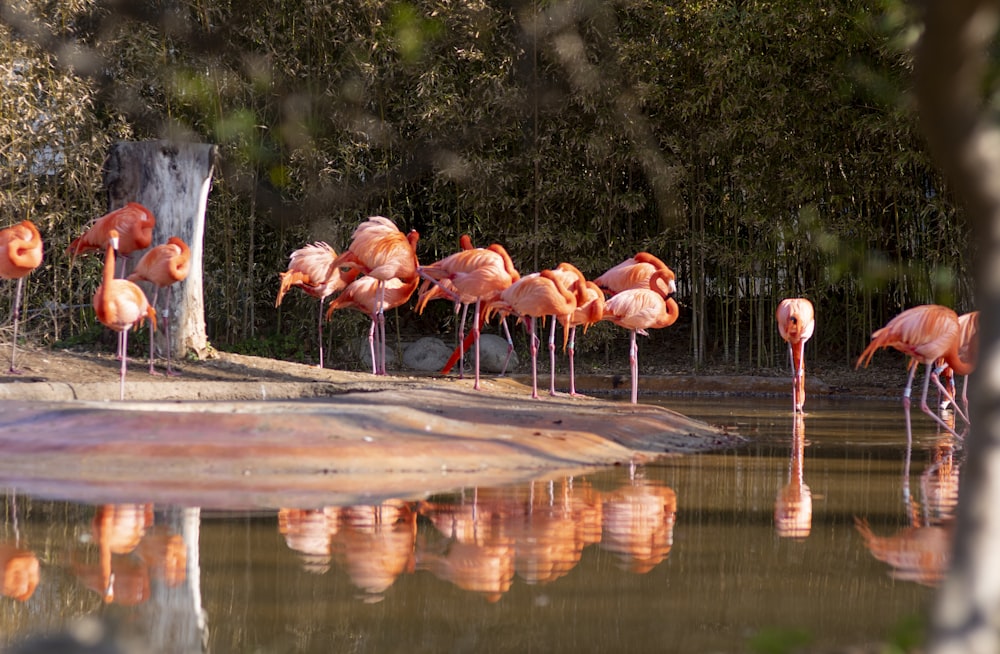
[763,149]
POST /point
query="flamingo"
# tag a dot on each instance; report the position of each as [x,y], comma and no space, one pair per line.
[471,275]
[20,253]
[639,309]
[163,266]
[634,272]
[120,305]
[588,312]
[968,351]
[363,294]
[926,333]
[378,249]
[311,269]
[538,295]
[796,323]
[134,224]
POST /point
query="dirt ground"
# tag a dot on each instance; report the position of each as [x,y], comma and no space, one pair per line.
[884,378]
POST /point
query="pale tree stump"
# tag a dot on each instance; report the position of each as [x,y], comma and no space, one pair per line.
[172,180]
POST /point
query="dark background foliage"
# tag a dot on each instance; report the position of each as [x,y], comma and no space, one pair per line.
[762,149]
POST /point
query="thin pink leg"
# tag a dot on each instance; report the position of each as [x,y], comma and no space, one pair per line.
[320,331]
[17,314]
[123,340]
[166,330]
[533,341]
[926,409]
[475,337]
[152,334]
[552,357]
[633,362]
[572,369]
[371,344]
[510,345]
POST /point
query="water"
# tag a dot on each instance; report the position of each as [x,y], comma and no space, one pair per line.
[706,553]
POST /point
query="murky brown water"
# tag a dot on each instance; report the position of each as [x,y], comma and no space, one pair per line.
[803,532]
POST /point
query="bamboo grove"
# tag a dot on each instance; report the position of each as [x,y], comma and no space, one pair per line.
[763,149]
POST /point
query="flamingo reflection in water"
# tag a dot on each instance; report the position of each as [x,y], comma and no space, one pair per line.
[560,520]
[19,565]
[308,532]
[131,552]
[921,551]
[375,544]
[471,548]
[638,523]
[793,506]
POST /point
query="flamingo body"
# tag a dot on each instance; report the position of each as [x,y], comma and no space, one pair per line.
[311,269]
[796,323]
[363,295]
[20,253]
[133,223]
[120,305]
[634,272]
[163,266]
[925,333]
[639,309]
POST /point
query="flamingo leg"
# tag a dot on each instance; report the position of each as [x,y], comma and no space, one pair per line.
[572,369]
[795,379]
[923,401]
[371,345]
[475,334]
[510,345]
[17,314]
[166,331]
[461,342]
[533,341]
[552,357]
[380,304]
[152,335]
[320,332]
[949,395]
[123,342]
[633,363]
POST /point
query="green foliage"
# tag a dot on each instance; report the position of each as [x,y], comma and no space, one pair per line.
[773,640]
[763,150]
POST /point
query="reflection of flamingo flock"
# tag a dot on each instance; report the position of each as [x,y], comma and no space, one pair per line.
[480,543]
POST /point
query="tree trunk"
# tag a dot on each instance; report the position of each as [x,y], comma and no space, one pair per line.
[172,180]
[951,68]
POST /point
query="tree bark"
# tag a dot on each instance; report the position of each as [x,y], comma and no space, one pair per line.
[951,68]
[172,180]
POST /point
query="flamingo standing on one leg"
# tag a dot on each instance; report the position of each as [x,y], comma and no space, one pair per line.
[539,295]
[20,253]
[120,305]
[639,309]
[588,312]
[163,266]
[311,269]
[796,323]
[363,293]
[926,333]
[469,276]
[378,249]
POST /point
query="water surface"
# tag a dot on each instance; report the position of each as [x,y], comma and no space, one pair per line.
[811,529]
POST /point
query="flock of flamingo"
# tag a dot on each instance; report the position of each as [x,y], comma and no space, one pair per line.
[379,270]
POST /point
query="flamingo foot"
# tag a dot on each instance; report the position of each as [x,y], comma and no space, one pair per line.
[154,372]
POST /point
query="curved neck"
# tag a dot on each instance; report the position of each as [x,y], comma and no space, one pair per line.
[956,363]
[109,266]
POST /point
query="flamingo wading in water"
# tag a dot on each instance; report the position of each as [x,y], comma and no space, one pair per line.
[796,323]
[639,309]
[121,305]
[311,269]
[926,333]
[163,266]
[20,253]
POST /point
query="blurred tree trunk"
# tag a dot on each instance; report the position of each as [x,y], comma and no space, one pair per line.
[950,72]
[172,180]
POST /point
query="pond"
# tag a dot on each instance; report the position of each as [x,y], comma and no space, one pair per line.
[815,532]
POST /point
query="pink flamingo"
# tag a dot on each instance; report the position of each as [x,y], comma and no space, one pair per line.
[163,266]
[20,253]
[796,323]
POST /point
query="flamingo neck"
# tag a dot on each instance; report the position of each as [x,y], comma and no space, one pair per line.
[109,266]
[956,363]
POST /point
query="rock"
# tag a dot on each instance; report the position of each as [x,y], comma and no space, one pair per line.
[492,352]
[364,353]
[428,354]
